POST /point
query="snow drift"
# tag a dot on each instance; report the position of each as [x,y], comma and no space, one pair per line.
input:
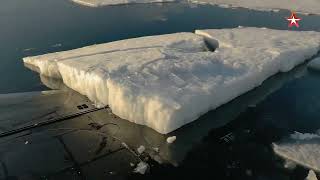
[167,81]
[303,149]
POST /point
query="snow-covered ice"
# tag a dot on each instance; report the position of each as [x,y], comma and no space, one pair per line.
[97,3]
[312,176]
[167,81]
[305,6]
[171,139]
[315,64]
[303,149]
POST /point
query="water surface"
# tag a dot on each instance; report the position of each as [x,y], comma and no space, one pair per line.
[285,103]
[34,27]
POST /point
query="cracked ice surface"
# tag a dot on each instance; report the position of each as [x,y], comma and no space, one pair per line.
[167,81]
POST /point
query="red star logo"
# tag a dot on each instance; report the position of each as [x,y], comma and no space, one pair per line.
[293,20]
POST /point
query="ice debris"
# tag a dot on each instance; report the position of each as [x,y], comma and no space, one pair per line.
[171,139]
[141,168]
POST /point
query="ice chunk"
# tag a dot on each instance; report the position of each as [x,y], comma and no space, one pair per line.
[167,81]
[303,149]
[97,3]
[305,6]
[171,139]
[141,168]
[311,176]
[315,64]
[141,149]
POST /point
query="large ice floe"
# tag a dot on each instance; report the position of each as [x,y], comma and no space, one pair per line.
[167,81]
[303,149]
[97,3]
[305,6]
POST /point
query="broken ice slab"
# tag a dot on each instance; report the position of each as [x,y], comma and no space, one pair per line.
[133,135]
[114,73]
[301,148]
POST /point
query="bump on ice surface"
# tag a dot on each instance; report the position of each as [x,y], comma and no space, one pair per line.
[97,3]
[167,81]
[315,64]
[303,149]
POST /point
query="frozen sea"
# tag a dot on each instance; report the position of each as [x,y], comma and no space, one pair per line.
[241,149]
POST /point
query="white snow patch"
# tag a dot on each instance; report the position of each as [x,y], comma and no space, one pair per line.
[167,81]
[315,64]
[141,149]
[305,6]
[97,3]
[303,149]
[311,175]
[171,139]
[141,168]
